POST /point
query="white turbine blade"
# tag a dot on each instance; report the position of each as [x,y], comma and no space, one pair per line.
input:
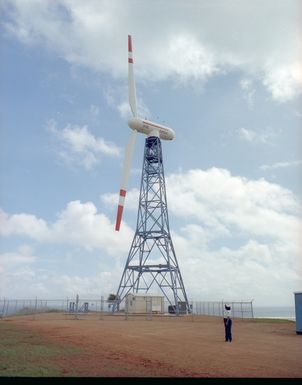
[126,171]
[131,81]
[128,158]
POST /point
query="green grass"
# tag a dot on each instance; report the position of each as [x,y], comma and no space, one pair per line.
[25,353]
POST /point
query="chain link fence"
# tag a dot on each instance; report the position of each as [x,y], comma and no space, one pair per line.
[79,308]
[239,309]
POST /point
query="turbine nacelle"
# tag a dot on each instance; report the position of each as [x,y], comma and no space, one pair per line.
[151,129]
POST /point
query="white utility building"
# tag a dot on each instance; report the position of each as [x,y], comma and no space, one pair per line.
[144,303]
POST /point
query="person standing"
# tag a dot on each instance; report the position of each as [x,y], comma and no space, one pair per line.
[227,320]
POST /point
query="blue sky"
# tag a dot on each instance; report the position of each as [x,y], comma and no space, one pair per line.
[225,75]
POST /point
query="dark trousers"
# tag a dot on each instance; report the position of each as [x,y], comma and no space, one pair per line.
[228,329]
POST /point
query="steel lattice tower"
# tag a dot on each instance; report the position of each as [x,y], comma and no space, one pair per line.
[152,260]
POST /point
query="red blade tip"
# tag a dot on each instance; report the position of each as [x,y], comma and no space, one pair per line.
[129,43]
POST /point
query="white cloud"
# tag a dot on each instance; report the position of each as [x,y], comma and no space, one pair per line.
[124,110]
[81,146]
[185,41]
[264,272]
[12,265]
[220,201]
[227,205]
[23,224]
[23,256]
[240,239]
[249,91]
[284,82]
[196,61]
[248,135]
[117,97]
[29,282]
[79,224]
[253,136]
[281,165]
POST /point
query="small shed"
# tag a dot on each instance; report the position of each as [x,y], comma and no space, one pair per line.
[298,309]
[144,303]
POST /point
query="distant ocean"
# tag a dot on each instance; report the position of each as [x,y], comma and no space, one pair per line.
[283,312]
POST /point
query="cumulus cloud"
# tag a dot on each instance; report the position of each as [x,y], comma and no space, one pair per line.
[78,224]
[239,238]
[28,282]
[80,146]
[224,203]
[266,272]
[23,224]
[284,82]
[81,224]
[197,62]
[217,199]
[217,206]
[15,263]
[22,256]
[182,41]
[262,221]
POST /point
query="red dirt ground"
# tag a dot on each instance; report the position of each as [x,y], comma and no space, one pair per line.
[172,346]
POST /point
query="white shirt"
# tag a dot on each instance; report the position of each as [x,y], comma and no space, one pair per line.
[227,313]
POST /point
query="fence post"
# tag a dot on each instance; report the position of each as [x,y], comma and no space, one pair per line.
[192,310]
[126,308]
[149,309]
[7,307]
[101,308]
[252,308]
[35,308]
[77,307]
[3,308]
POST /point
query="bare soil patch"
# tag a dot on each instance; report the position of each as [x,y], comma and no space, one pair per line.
[170,346]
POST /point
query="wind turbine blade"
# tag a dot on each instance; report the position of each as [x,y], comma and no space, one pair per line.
[131,81]
[126,171]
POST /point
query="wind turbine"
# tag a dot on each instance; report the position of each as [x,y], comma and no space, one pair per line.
[137,125]
[151,260]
